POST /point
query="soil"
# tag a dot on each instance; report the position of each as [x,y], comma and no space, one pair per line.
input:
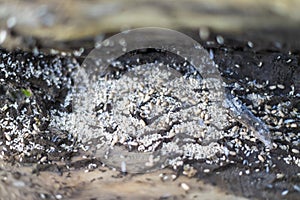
[69,172]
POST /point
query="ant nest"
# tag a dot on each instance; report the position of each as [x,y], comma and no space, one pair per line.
[149,108]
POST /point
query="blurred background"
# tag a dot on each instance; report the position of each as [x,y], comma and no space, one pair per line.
[25,23]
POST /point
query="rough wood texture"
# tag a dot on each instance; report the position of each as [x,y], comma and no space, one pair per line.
[102,183]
